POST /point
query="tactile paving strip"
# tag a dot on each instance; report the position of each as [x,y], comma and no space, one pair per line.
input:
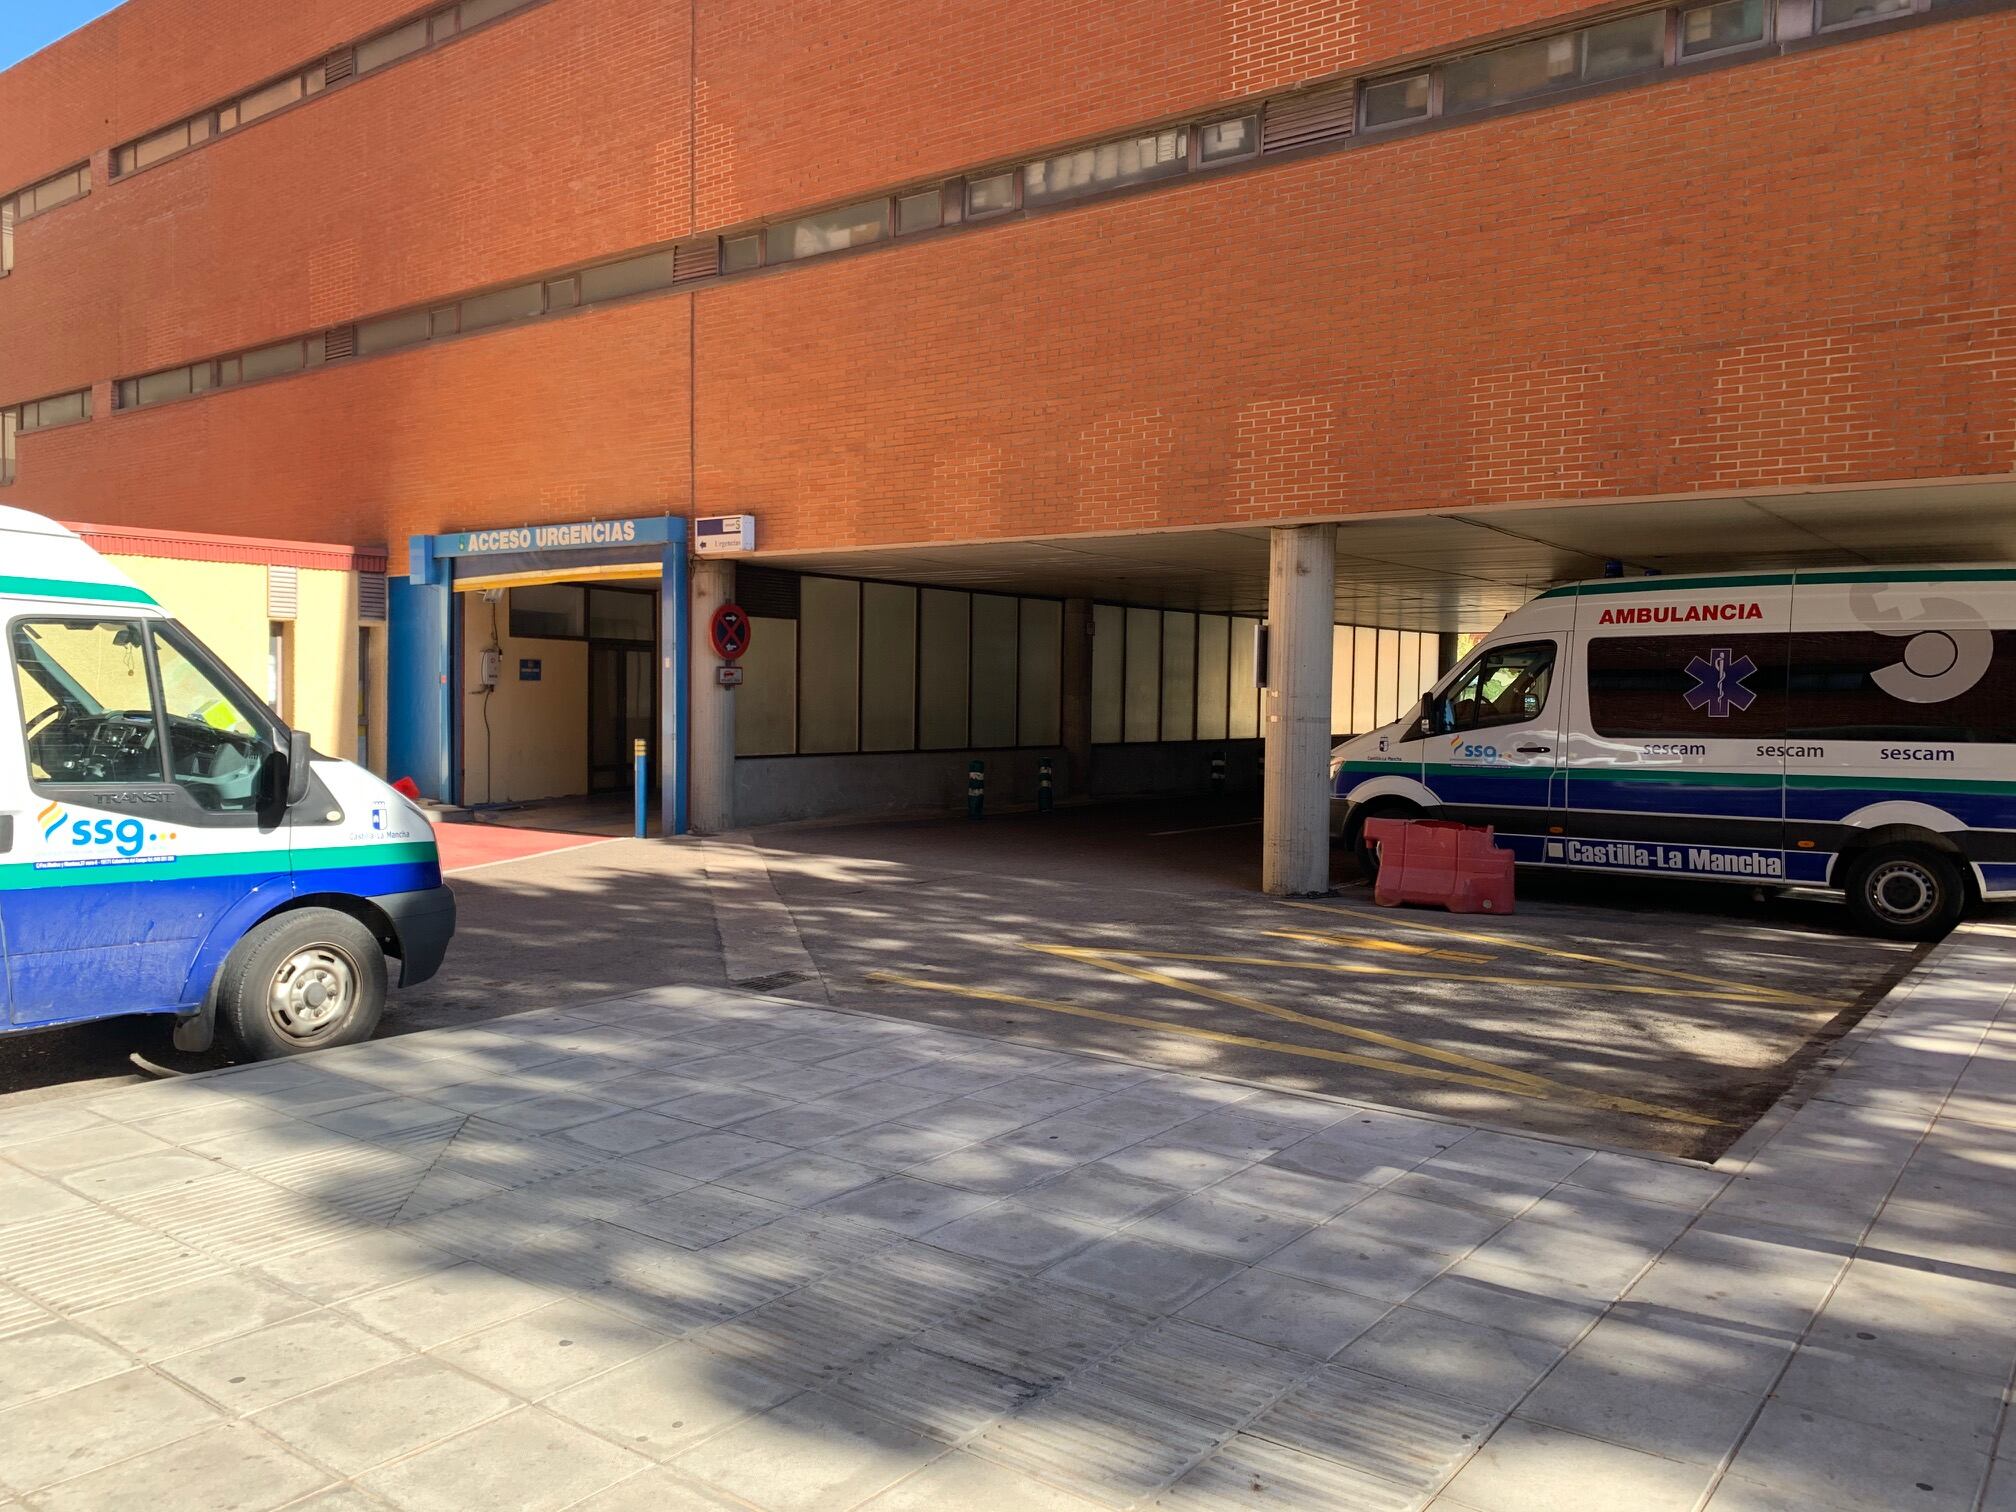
[1414,1439]
[91,1258]
[1134,1422]
[1252,1472]
[834,1322]
[241,1218]
[1035,1333]
[942,1398]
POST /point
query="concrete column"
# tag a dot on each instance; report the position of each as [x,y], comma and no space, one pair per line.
[1301,605]
[711,801]
[1445,652]
[1077,696]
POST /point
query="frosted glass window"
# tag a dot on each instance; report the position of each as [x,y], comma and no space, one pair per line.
[391,331]
[1179,676]
[888,667]
[829,669]
[1340,679]
[631,276]
[766,705]
[1214,646]
[388,47]
[1389,676]
[1131,160]
[1109,671]
[740,252]
[1410,671]
[271,98]
[1243,718]
[944,652]
[520,303]
[1039,672]
[920,211]
[1143,718]
[1364,682]
[270,362]
[997,635]
[830,231]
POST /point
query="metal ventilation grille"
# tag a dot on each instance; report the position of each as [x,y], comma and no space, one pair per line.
[339,65]
[283,593]
[696,260]
[371,596]
[339,342]
[1321,115]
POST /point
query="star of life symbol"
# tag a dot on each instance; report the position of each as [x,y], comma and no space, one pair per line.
[1718,683]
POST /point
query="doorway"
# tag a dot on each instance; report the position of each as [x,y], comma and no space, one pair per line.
[622,709]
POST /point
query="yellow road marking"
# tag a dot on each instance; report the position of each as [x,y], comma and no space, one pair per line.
[1366,968]
[1367,942]
[1506,942]
[1549,1092]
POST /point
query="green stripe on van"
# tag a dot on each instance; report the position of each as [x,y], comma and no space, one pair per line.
[1783,579]
[24,875]
[65,588]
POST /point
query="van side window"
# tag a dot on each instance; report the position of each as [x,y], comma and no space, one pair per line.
[87,701]
[218,745]
[1507,685]
[1710,683]
[1934,686]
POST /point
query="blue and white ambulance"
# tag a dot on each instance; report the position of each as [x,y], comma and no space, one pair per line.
[167,846]
[1844,729]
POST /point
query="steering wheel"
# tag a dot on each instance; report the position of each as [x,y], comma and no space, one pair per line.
[46,718]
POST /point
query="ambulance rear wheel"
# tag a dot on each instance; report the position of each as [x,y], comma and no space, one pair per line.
[1367,854]
[311,979]
[1906,892]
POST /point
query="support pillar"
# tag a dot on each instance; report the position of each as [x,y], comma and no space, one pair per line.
[1077,697]
[712,805]
[1445,652]
[1301,608]
[420,717]
[675,638]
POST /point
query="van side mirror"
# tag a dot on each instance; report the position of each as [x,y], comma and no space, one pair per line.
[298,773]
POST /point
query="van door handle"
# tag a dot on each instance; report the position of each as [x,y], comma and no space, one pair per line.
[1535,750]
[6,833]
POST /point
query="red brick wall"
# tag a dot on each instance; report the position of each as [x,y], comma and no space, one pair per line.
[803,102]
[1792,271]
[536,142]
[149,62]
[565,420]
[1796,272]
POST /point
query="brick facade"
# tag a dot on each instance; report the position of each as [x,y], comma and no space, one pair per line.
[1797,270]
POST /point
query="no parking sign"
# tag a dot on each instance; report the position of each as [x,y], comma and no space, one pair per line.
[729,632]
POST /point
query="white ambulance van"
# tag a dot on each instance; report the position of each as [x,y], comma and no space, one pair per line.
[168,846]
[1845,729]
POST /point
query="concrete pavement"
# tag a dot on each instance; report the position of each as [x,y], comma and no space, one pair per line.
[695,1248]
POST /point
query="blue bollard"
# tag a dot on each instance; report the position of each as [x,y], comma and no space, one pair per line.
[637,759]
[976,789]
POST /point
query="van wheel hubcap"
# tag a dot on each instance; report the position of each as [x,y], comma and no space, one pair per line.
[1903,892]
[312,992]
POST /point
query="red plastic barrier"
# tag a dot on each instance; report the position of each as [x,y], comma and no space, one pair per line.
[1459,867]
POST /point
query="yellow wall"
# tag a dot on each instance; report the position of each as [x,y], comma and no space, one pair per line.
[224,604]
[537,744]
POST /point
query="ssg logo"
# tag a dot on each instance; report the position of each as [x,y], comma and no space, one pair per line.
[1463,749]
[127,837]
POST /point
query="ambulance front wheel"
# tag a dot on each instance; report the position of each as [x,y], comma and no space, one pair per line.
[1906,892]
[1366,853]
[307,980]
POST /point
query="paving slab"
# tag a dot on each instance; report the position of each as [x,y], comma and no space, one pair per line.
[978,1274]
